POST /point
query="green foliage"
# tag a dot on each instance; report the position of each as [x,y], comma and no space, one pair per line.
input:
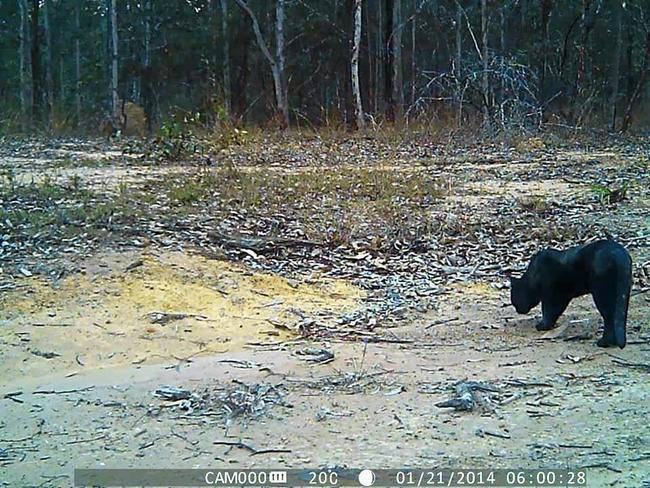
[607,195]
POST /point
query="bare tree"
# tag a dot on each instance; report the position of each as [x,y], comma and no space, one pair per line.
[24,63]
[113,53]
[77,60]
[49,78]
[398,88]
[37,95]
[616,63]
[276,62]
[643,78]
[484,57]
[227,98]
[389,59]
[459,40]
[354,66]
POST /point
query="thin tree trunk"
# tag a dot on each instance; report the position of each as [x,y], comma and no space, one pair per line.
[227,97]
[24,63]
[61,81]
[281,102]
[389,59]
[37,95]
[459,40]
[49,69]
[380,59]
[616,64]
[502,48]
[582,50]
[484,54]
[413,60]
[398,87]
[113,87]
[77,61]
[627,118]
[147,74]
[547,6]
[354,66]
[365,16]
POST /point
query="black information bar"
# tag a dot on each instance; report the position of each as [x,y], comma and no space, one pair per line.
[332,477]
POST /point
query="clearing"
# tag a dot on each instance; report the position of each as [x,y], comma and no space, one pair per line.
[311,300]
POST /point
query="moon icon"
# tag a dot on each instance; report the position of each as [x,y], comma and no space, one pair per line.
[367,477]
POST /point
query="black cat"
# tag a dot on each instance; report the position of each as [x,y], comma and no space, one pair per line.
[602,268]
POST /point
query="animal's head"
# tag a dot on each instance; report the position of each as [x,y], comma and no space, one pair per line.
[522,296]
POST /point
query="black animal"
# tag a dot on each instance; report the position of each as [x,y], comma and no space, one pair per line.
[602,268]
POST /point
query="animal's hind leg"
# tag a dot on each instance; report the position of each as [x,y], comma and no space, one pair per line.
[605,300]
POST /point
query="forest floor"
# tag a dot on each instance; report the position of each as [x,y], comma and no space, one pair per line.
[308,301]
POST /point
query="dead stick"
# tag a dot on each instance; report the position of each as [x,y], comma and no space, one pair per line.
[440,322]
[269,451]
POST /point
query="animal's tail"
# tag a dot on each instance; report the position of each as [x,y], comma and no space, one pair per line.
[623,288]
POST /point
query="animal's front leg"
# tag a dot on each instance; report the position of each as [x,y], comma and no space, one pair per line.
[552,308]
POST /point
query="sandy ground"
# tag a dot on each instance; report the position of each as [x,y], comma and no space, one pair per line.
[82,409]
[82,358]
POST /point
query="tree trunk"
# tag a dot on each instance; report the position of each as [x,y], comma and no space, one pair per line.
[24,62]
[354,66]
[37,95]
[61,81]
[413,60]
[616,64]
[283,103]
[459,40]
[547,7]
[77,61]
[398,87]
[49,77]
[389,60]
[485,85]
[113,82]
[227,97]
[643,78]
[280,98]
[147,71]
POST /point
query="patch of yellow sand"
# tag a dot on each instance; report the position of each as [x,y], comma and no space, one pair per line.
[103,319]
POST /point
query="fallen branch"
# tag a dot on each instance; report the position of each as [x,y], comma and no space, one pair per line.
[259,243]
[639,366]
[440,322]
[253,451]
[61,392]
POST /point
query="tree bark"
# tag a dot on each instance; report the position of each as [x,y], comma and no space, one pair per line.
[389,59]
[413,60]
[24,62]
[547,7]
[113,82]
[643,78]
[37,95]
[49,68]
[227,97]
[281,100]
[398,87]
[459,40]
[147,70]
[616,64]
[354,66]
[77,61]
[485,85]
